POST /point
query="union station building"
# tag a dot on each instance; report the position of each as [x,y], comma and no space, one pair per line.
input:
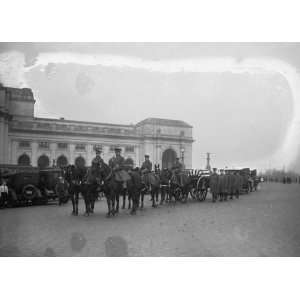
[28,140]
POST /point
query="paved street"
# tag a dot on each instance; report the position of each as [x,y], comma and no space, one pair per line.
[264,223]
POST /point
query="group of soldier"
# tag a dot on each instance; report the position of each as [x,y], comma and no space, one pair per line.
[225,185]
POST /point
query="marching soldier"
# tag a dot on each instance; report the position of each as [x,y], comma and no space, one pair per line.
[237,186]
[223,186]
[214,184]
[231,179]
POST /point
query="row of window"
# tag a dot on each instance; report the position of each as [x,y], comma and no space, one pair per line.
[61,161]
[79,147]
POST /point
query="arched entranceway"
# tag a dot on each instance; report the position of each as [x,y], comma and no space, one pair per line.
[62,161]
[168,158]
[24,160]
[43,161]
[80,162]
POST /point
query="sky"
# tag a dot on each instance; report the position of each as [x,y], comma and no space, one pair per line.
[240,98]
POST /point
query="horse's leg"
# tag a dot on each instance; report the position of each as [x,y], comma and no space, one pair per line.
[93,199]
[124,199]
[73,204]
[152,194]
[117,198]
[142,200]
[162,195]
[108,200]
[130,199]
[87,203]
[76,202]
[134,203]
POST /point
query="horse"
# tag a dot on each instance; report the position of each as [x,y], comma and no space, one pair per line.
[151,185]
[90,188]
[164,176]
[74,176]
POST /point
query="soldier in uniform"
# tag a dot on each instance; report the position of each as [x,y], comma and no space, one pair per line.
[231,179]
[146,169]
[97,160]
[214,184]
[177,167]
[222,186]
[237,186]
[116,163]
[147,165]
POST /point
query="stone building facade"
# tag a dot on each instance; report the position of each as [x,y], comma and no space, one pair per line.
[28,140]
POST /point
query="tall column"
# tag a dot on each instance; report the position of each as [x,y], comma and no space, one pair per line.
[137,156]
[34,154]
[89,154]
[52,153]
[14,145]
[72,154]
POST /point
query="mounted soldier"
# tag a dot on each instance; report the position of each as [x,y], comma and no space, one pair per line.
[97,160]
[117,164]
[147,165]
[146,169]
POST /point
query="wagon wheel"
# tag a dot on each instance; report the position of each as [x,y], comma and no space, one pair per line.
[178,194]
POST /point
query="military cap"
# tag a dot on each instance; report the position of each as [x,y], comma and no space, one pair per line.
[97,149]
[118,149]
[215,169]
[147,156]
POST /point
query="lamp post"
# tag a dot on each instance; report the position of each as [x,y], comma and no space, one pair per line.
[182,155]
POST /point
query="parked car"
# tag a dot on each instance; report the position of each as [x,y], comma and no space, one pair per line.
[23,188]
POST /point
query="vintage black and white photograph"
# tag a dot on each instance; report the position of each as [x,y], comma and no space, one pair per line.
[149,149]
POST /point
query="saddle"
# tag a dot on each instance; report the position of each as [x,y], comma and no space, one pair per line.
[122,176]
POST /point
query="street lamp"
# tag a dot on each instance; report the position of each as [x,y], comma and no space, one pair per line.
[182,155]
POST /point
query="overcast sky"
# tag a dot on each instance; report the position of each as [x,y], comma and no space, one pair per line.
[234,95]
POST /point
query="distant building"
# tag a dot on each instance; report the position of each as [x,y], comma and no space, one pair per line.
[27,140]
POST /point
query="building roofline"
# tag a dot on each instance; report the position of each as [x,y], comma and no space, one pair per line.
[164,122]
[81,122]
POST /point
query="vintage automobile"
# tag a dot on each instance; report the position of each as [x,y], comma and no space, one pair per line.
[31,185]
[23,188]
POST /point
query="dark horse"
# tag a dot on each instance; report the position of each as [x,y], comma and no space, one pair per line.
[151,185]
[165,177]
[74,176]
[113,189]
[90,188]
